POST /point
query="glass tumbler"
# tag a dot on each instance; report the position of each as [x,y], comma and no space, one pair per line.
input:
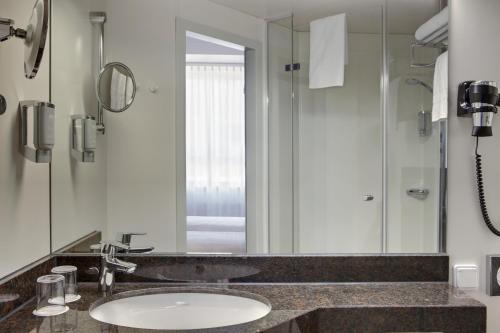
[50,296]
[70,284]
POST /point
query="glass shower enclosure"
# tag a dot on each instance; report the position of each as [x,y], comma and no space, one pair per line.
[356,168]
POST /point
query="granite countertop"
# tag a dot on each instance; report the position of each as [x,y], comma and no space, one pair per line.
[299,308]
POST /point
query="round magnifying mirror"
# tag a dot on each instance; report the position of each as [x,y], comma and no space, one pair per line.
[35,37]
[116,87]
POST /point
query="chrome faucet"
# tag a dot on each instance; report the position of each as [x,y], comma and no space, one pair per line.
[110,264]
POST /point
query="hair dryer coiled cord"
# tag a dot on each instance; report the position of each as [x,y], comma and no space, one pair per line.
[480,191]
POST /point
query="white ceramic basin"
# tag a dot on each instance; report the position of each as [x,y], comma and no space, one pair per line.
[180,310]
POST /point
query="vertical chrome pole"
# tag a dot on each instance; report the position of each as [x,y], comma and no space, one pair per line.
[384,85]
[443,183]
[292,107]
[100,115]
[97,19]
[443,174]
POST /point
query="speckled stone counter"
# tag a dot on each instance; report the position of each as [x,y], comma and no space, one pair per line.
[301,308]
[271,268]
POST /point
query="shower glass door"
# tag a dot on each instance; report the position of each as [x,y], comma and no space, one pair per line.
[325,147]
[281,156]
[359,167]
[414,143]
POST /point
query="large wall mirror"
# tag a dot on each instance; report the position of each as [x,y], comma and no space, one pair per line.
[268,127]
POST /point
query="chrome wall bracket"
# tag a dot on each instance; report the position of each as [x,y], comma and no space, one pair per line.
[7,30]
[36,120]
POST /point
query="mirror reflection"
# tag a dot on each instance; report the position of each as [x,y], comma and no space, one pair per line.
[322,131]
[116,87]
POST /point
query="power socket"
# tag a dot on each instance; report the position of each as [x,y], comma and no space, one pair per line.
[492,274]
[465,277]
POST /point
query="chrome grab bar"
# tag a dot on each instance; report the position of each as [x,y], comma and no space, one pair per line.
[418,193]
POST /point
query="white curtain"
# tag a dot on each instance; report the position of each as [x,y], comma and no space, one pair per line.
[215,140]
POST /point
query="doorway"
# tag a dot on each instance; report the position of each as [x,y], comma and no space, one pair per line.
[220,167]
[215,145]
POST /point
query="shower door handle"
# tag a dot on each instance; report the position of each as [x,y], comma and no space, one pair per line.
[368,197]
[418,193]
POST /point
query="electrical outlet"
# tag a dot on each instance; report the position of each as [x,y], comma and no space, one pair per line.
[466,277]
[492,274]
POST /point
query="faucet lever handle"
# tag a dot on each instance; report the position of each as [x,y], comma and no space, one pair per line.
[109,247]
[126,237]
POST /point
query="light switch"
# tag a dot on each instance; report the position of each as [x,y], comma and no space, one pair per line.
[466,276]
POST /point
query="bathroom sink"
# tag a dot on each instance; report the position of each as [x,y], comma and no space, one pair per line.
[180,308]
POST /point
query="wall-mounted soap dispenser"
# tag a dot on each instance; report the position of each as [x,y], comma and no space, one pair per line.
[83,138]
[37,128]
[424,123]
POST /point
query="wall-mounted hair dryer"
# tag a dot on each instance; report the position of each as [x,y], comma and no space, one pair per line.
[478,99]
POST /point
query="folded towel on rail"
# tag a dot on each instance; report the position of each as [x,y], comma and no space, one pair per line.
[440,85]
[328,51]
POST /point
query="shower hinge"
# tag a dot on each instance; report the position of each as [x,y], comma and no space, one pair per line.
[292,67]
[3,104]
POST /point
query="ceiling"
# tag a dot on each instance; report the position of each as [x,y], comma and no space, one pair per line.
[198,46]
[364,16]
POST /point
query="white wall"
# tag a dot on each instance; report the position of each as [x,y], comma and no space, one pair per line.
[24,185]
[141,177]
[132,185]
[474,54]
[78,189]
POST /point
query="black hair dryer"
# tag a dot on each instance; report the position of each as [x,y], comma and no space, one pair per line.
[478,99]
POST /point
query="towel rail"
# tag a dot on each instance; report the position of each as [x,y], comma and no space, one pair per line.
[436,43]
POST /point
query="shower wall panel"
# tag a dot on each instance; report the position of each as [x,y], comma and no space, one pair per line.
[413,159]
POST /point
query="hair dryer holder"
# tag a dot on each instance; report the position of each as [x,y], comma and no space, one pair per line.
[464,106]
[479,100]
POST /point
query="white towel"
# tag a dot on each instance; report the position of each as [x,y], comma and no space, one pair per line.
[328,52]
[440,95]
[434,27]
